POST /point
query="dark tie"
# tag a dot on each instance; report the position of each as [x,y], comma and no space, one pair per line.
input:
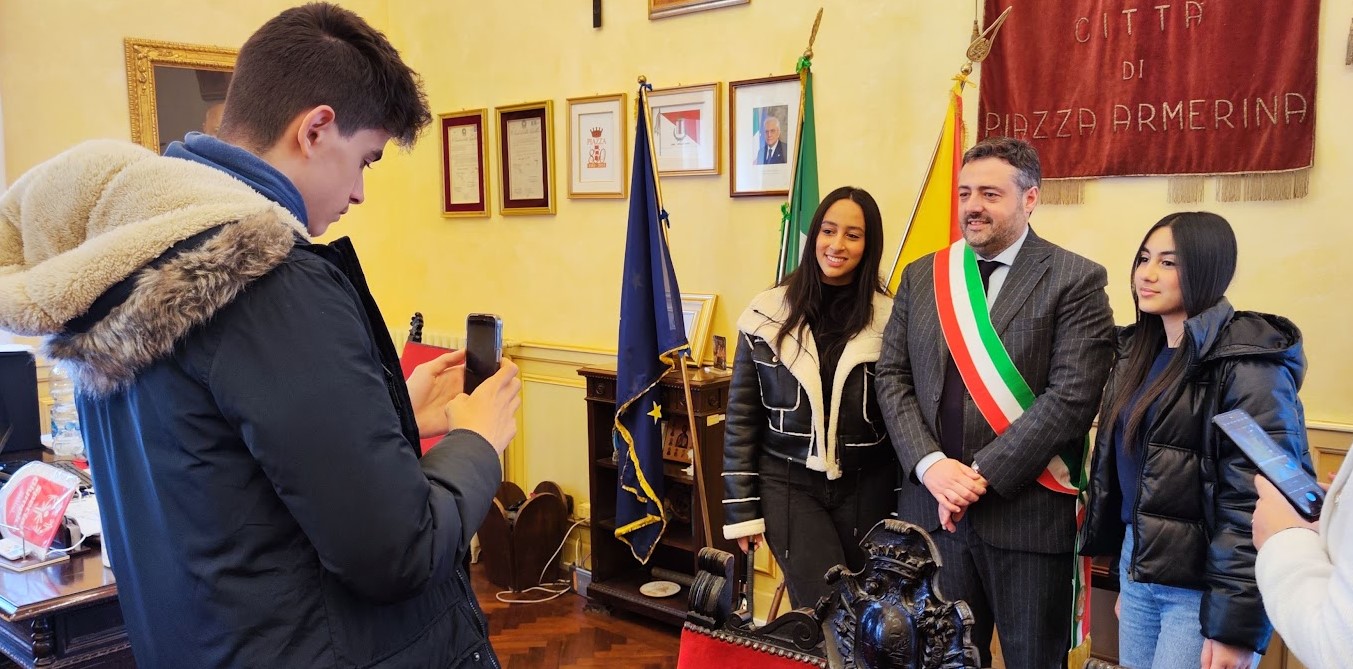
[768,152]
[951,398]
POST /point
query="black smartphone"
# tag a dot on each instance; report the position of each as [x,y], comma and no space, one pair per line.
[1286,474]
[483,348]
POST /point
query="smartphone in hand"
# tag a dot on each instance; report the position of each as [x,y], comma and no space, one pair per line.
[483,348]
[1286,474]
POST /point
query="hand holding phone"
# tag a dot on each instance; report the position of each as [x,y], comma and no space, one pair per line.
[483,348]
[491,411]
[1286,474]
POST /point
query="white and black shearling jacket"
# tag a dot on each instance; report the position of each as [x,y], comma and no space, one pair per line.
[775,406]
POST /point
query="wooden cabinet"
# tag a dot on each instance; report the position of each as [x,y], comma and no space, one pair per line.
[616,574]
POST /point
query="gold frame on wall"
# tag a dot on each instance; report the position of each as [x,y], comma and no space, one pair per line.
[707,98]
[544,110]
[142,57]
[479,118]
[577,147]
[661,9]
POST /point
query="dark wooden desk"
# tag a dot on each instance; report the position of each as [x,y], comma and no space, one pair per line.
[63,615]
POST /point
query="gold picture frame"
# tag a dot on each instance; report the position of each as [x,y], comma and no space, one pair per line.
[757,167]
[598,153]
[462,175]
[661,9]
[147,99]
[687,124]
[526,158]
[697,309]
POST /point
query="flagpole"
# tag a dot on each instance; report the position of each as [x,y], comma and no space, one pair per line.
[696,455]
[930,167]
[978,49]
[785,232]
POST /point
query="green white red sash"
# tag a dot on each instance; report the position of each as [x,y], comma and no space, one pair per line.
[997,387]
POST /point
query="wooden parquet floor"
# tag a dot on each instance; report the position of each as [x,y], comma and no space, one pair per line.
[559,634]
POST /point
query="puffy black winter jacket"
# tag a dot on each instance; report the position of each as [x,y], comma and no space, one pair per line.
[1196,496]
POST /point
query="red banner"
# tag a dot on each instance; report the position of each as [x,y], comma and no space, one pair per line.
[1136,87]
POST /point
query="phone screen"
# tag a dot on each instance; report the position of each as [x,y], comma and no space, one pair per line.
[483,348]
[1286,474]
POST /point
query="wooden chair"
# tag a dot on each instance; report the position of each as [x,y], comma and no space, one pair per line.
[886,615]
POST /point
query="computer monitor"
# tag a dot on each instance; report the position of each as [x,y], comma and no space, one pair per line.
[20,420]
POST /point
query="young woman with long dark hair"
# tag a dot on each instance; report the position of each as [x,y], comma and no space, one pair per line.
[807,461]
[1169,493]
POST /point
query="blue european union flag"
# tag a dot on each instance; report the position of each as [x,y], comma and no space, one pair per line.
[652,337]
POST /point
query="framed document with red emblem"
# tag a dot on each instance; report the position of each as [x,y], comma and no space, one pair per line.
[526,158]
[597,147]
[465,183]
[687,129]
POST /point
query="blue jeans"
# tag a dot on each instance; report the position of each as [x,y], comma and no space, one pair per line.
[1158,627]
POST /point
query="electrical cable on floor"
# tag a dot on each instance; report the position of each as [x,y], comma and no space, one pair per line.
[567,585]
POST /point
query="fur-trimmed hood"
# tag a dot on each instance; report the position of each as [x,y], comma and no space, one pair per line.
[105,212]
[763,318]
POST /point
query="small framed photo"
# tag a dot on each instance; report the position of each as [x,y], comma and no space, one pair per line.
[763,134]
[686,128]
[676,440]
[526,158]
[661,9]
[697,309]
[597,164]
[465,183]
[720,352]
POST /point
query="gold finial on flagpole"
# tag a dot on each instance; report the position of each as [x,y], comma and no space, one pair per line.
[808,53]
[980,47]
[642,80]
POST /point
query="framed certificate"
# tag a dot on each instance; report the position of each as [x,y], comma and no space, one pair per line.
[597,147]
[465,185]
[526,158]
[686,129]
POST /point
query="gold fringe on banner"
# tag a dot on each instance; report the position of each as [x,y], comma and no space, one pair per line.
[1186,190]
[1062,191]
[1264,186]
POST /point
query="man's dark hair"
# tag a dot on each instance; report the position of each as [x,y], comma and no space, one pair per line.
[321,54]
[1016,153]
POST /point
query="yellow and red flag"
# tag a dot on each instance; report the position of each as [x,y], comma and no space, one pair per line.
[934,220]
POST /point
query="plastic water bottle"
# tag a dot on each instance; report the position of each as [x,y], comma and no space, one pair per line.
[67,442]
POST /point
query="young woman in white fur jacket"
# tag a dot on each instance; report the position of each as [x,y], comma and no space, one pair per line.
[807,461]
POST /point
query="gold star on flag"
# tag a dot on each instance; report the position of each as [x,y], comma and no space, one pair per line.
[656,413]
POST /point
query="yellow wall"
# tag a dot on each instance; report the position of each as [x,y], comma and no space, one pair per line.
[882,68]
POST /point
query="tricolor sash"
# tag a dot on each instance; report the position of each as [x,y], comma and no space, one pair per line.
[997,387]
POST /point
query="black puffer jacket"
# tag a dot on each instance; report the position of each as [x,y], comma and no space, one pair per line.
[1196,496]
[775,407]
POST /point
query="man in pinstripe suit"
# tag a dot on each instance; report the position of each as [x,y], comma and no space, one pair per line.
[1008,546]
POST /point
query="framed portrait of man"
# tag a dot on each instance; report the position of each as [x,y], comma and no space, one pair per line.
[763,134]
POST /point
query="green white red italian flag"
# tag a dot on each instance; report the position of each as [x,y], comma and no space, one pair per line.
[1000,391]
